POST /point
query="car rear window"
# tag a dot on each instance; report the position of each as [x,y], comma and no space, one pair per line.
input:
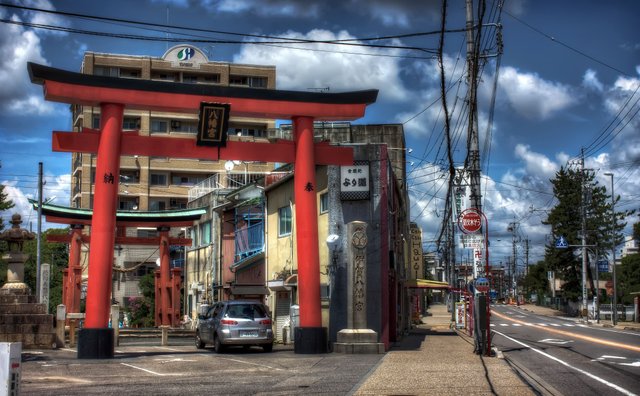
[246,311]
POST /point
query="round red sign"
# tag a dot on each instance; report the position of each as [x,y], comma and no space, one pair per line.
[470,221]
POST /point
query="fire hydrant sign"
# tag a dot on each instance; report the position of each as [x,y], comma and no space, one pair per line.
[470,221]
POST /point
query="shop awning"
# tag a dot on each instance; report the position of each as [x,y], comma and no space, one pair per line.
[249,290]
[426,284]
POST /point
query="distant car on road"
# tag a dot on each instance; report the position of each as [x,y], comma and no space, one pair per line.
[243,323]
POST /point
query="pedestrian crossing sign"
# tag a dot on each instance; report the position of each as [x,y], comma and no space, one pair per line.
[561,242]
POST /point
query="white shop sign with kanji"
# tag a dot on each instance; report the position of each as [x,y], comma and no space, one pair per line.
[478,263]
[355,181]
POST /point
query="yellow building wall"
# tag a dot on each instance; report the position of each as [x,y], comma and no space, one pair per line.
[281,256]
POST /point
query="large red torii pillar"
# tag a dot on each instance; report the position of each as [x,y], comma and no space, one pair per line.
[114,94]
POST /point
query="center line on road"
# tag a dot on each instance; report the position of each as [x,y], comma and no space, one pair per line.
[562,362]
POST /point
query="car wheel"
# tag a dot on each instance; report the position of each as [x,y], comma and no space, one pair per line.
[218,345]
[267,347]
[199,343]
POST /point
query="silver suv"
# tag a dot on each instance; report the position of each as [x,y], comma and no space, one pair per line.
[235,322]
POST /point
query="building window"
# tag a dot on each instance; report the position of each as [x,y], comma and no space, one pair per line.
[127,203]
[156,204]
[187,180]
[95,122]
[146,233]
[284,221]
[130,123]
[248,81]
[158,179]
[186,126]
[177,203]
[324,203]
[106,71]
[129,176]
[205,233]
[251,132]
[164,76]
[159,126]
[193,78]
[129,73]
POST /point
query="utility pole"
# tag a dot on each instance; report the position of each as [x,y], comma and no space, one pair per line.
[39,231]
[614,306]
[585,301]
[513,227]
[473,158]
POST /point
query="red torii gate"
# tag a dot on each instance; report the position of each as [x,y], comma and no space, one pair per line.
[167,303]
[112,95]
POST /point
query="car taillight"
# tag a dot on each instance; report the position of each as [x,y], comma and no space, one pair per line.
[228,322]
[265,322]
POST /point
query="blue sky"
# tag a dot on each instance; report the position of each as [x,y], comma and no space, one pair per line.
[569,70]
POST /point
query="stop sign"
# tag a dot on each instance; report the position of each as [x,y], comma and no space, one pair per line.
[470,221]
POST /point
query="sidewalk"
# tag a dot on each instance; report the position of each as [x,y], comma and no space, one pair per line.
[434,360]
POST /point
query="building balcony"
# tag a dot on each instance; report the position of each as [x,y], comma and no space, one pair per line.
[249,242]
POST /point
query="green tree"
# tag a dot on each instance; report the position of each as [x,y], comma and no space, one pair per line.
[565,220]
[636,231]
[536,280]
[628,278]
[54,254]
[142,309]
[5,204]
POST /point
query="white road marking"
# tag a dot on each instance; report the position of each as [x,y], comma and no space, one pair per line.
[255,364]
[555,341]
[554,324]
[516,325]
[595,377]
[168,349]
[147,371]
[492,325]
[612,357]
[568,325]
[542,324]
[504,324]
[634,364]
[529,324]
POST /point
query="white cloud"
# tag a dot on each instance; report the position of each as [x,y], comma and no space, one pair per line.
[620,100]
[532,96]
[395,12]
[590,81]
[43,18]
[17,47]
[264,8]
[319,65]
[536,164]
[55,188]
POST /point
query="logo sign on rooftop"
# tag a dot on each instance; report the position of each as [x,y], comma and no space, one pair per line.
[470,221]
[185,56]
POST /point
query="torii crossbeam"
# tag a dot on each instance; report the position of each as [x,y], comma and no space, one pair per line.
[113,95]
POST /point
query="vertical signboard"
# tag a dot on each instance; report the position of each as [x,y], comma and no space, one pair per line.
[416,262]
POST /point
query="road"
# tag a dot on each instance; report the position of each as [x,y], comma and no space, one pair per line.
[180,369]
[565,356]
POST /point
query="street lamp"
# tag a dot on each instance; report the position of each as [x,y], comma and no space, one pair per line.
[614,312]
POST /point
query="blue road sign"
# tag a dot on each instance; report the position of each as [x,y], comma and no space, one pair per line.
[603,266]
[561,242]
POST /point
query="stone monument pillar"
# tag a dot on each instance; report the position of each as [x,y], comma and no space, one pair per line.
[15,258]
[357,338]
[23,319]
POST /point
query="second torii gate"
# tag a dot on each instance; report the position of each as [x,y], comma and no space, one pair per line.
[167,303]
[112,95]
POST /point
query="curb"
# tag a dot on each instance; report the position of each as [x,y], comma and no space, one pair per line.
[534,381]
